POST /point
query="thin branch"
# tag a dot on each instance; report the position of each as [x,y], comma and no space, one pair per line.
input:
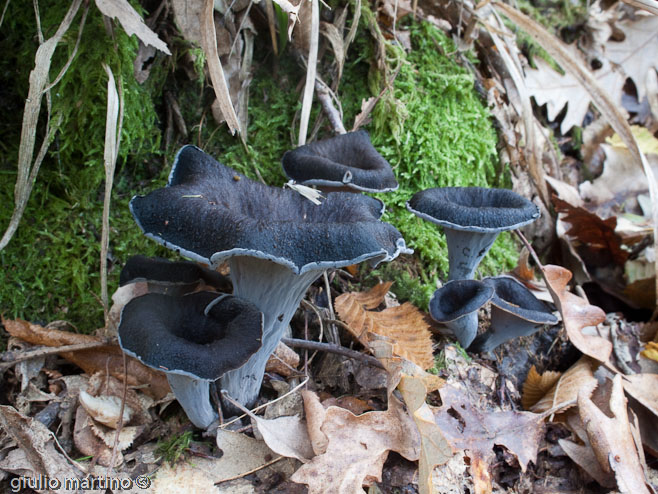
[331,348]
[42,352]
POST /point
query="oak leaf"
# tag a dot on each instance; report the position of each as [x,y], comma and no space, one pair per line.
[577,314]
[405,324]
[476,431]
[566,387]
[356,446]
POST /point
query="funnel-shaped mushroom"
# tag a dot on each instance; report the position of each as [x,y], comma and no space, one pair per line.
[276,242]
[171,277]
[456,306]
[515,312]
[348,161]
[472,218]
[194,339]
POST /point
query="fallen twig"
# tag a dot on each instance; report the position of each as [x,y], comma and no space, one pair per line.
[41,352]
[332,348]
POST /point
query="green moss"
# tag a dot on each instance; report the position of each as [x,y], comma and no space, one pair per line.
[51,266]
[440,135]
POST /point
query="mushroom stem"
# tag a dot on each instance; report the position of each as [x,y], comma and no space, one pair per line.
[504,327]
[465,251]
[277,292]
[193,394]
[465,328]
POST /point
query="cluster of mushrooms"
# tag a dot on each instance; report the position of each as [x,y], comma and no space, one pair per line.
[277,243]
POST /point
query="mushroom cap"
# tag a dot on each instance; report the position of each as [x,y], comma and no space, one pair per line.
[458,298]
[163,271]
[511,296]
[475,209]
[210,213]
[174,334]
[345,160]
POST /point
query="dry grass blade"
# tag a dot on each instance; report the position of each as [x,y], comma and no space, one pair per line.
[27,170]
[404,324]
[505,48]
[131,22]
[601,99]
[209,40]
[113,123]
[311,71]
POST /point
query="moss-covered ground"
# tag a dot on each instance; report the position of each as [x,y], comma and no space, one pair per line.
[435,131]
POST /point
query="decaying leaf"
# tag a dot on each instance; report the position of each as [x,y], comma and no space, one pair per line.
[105,409]
[434,448]
[357,446]
[536,386]
[577,314]
[286,436]
[131,22]
[89,443]
[465,427]
[612,439]
[283,361]
[38,444]
[106,358]
[566,387]
[599,243]
[404,324]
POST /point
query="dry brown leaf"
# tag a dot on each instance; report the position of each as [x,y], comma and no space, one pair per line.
[579,376]
[577,314]
[38,444]
[536,386]
[357,447]
[600,244]
[477,432]
[642,390]
[286,436]
[217,76]
[404,324]
[102,358]
[131,22]
[89,443]
[105,409]
[583,456]
[283,361]
[373,297]
[434,448]
[612,439]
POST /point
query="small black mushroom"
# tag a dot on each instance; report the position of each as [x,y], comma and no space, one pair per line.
[456,305]
[472,218]
[347,161]
[515,312]
[194,339]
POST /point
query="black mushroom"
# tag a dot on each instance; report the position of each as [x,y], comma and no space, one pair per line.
[347,161]
[171,277]
[275,241]
[515,312]
[456,306]
[472,218]
[194,339]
